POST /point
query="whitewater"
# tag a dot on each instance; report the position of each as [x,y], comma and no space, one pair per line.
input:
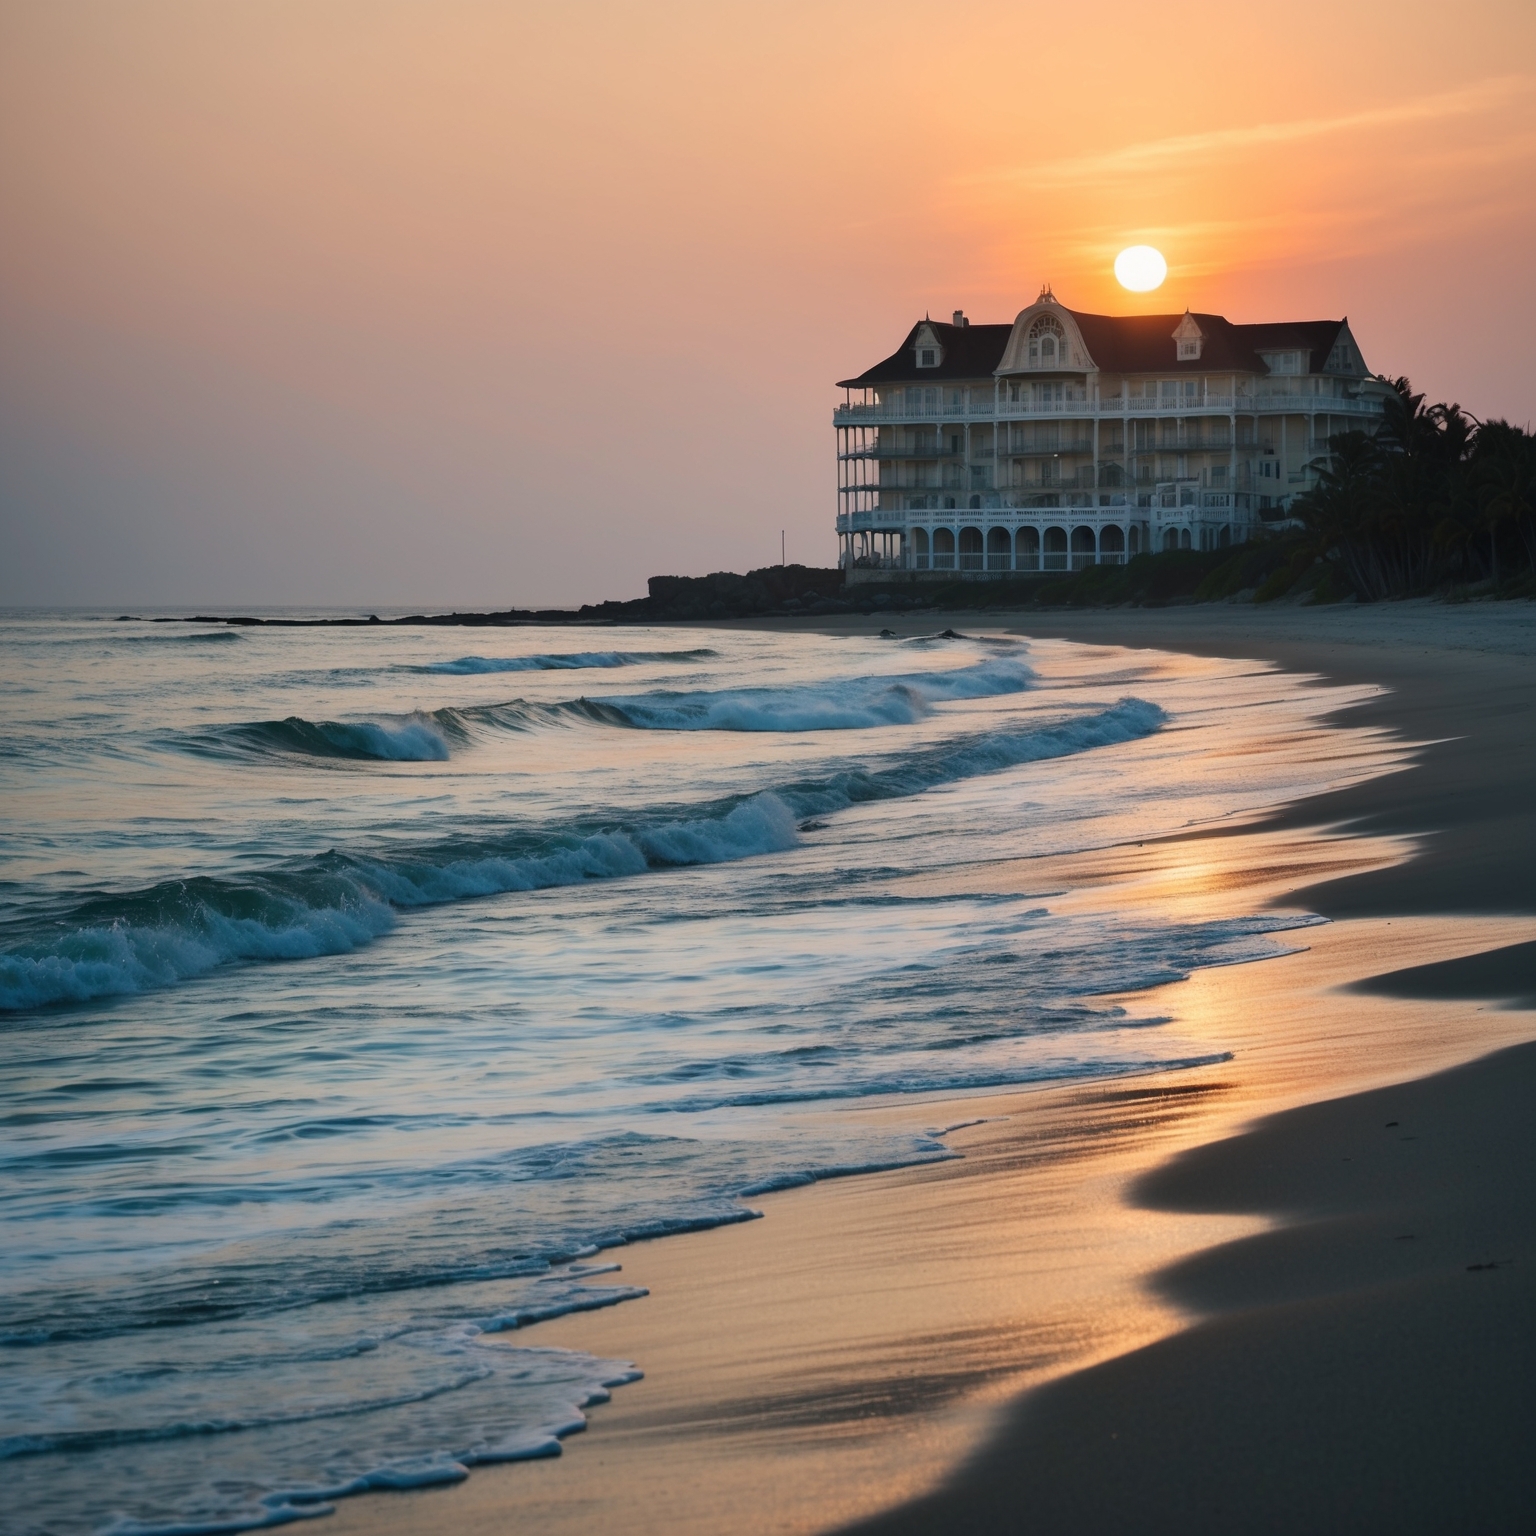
[362,997]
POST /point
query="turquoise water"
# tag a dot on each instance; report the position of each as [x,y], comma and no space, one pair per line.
[363,991]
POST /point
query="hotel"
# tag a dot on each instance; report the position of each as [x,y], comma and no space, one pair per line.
[1066,440]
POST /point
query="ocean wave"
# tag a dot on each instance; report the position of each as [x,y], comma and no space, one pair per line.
[558,661]
[413,738]
[883,1085]
[198,636]
[336,902]
[432,736]
[465,1403]
[837,705]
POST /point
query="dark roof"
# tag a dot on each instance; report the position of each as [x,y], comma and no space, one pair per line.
[969,352]
[1316,336]
[1117,343]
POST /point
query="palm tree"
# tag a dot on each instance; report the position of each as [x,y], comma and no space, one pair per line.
[1340,511]
[1505,461]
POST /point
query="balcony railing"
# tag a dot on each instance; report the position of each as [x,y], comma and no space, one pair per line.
[879,518]
[1048,450]
[1157,505]
[920,451]
[1109,405]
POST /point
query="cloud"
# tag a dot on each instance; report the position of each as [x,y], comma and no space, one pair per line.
[1188,151]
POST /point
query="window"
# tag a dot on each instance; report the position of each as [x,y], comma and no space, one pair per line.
[1047,343]
[927,357]
[1189,349]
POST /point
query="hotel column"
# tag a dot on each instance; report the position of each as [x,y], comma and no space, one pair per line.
[1232,459]
[1125,452]
[997,469]
[1095,441]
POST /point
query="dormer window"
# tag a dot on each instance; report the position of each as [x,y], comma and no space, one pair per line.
[1047,343]
[927,357]
[1188,339]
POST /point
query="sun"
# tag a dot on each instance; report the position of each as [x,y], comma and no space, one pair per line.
[1140,268]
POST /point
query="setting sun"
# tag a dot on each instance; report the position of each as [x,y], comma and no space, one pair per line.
[1140,268]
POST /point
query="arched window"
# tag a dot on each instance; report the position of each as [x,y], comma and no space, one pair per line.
[1047,344]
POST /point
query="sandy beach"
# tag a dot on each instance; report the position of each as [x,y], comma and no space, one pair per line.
[1289,1291]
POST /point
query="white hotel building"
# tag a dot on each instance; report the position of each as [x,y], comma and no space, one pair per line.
[1065,440]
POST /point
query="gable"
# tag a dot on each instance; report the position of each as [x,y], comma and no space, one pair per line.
[1344,356]
[1188,339]
[1046,338]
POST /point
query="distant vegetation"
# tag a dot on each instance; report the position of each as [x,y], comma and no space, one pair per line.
[1434,500]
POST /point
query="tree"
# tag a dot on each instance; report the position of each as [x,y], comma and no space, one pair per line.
[1505,476]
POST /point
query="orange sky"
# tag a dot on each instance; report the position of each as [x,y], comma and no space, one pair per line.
[365,301]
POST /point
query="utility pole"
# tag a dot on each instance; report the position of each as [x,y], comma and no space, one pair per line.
[781,546]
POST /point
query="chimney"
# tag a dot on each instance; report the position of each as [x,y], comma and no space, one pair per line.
[960,319]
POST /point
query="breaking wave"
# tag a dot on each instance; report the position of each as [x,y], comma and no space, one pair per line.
[839,705]
[425,737]
[338,901]
[413,738]
[568,661]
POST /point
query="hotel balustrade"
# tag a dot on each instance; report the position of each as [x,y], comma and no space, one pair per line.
[1010,410]
[1052,560]
[918,451]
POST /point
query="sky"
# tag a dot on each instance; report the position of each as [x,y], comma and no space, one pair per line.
[373,303]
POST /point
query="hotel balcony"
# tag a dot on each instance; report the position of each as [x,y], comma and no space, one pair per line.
[930,450]
[1048,450]
[1111,405]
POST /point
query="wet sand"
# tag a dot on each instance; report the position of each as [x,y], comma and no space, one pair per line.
[851,1352]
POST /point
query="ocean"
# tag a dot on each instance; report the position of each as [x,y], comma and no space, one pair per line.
[363,991]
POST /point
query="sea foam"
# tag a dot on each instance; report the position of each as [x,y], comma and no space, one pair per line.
[339,901]
[840,704]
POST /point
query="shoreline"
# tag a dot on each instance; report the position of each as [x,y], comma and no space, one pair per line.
[771,1404]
